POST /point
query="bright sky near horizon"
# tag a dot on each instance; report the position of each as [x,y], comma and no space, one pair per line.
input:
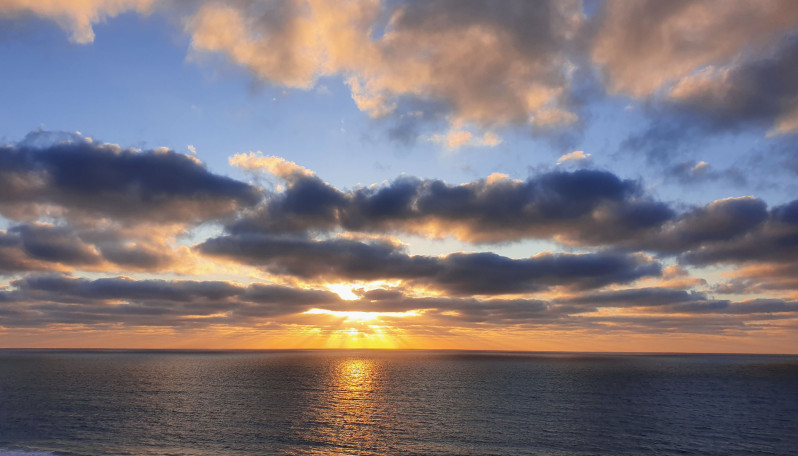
[520,175]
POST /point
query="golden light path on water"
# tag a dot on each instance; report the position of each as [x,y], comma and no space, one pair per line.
[351,412]
[356,405]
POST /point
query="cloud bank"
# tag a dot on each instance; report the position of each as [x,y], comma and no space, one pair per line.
[76,206]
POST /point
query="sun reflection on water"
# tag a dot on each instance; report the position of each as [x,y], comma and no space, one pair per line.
[356,375]
[354,411]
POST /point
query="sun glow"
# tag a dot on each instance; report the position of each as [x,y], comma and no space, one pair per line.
[343,290]
[358,329]
[363,317]
[352,291]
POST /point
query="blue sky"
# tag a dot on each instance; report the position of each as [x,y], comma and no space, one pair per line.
[664,147]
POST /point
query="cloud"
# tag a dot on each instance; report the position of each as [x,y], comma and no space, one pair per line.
[46,247]
[121,303]
[335,260]
[757,91]
[747,307]
[83,178]
[456,138]
[584,206]
[42,300]
[691,172]
[494,65]
[77,204]
[76,17]
[778,278]
[703,68]
[14,259]
[54,244]
[635,297]
[489,65]
[276,166]
[769,238]
[575,156]
[565,206]
[718,222]
[488,273]
[643,46]
[588,208]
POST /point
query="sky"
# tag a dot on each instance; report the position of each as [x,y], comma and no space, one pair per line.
[551,175]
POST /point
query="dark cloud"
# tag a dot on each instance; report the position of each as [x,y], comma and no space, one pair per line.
[308,258]
[488,273]
[759,94]
[42,300]
[642,297]
[88,178]
[39,246]
[702,69]
[55,244]
[646,45]
[774,239]
[761,91]
[584,206]
[672,300]
[139,257]
[13,258]
[457,274]
[721,221]
[669,301]
[750,307]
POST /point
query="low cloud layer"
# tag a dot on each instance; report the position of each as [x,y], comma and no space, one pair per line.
[127,211]
[124,303]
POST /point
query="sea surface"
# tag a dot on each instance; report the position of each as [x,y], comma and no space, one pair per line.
[395,403]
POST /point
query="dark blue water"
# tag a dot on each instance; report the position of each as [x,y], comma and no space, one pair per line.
[395,402]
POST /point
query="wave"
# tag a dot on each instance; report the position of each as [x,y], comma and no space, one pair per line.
[4,452]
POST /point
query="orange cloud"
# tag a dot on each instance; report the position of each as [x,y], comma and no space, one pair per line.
[646,45]
[486,67]
[74,16]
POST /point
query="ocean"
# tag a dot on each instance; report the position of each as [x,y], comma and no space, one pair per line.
[331,402]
